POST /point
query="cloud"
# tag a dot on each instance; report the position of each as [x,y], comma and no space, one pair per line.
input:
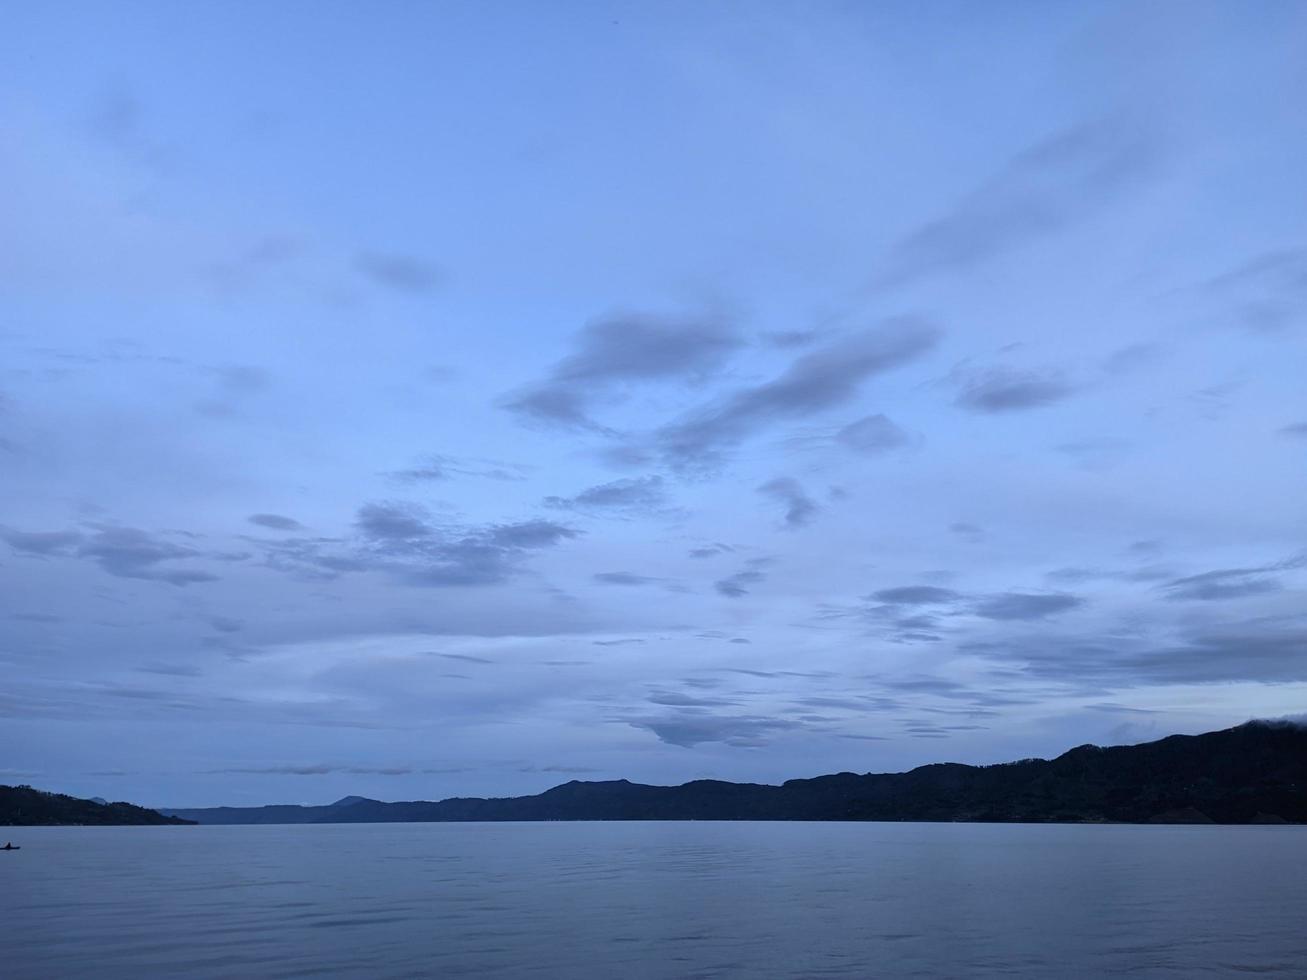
[1268,652]
[791,338]
[637,495]
[318,769]
[677,699]
[825,378]
[276,522]
[530,534]
[621,350]
[1007,390]
[915,595]
[132,553]
[971,532]
[400,540]
[115,117]
[1224,583]
[1297,430]
[1287,721]
[1267,294]
[689,730]
[23,773]
[122,551]
[400,272]
[1026,605]
[1112,708]
[710,551]
[392,522]
[1042,190]
[171,670]
[1132,358]
[919,627]
[435,467]
[427,472]
[234,275]
[41,542]
[623,578]
[484,557]
[555,404]
[1094,453]
[235,384]
[772,673]
[1226,653]
[733,586]
[872,435]
[800,509]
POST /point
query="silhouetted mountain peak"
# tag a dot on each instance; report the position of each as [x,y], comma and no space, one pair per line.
[352,800]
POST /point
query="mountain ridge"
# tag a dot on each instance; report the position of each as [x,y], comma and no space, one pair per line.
[1252,773]
[23,806]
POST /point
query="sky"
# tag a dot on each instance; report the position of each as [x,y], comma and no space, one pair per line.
[418,400]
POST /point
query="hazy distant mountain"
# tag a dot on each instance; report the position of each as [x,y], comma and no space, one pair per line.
[1255,773]
[352,800]
[22,806]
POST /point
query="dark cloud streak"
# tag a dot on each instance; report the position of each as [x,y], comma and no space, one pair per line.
[817,381]
[621,350]
[800,509]
[1042,190]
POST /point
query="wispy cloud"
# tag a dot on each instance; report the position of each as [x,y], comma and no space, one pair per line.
[825,378]
[619,351]
[404,273]
[401,540]
[872,435]
[1265,295]
[1042,190]
[640,495]
[1026,605]
[734,586]
[688,730]
[1224,583]
[125,552]
[623,578]
[1006,390]
[799,508]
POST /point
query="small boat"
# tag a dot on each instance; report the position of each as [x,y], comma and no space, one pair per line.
[10,847]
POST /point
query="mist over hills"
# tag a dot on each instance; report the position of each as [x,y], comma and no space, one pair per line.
[1253,773]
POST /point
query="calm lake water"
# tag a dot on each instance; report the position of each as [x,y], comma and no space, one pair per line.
[629,900]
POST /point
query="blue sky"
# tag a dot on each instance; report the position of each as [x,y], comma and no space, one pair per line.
[419,400]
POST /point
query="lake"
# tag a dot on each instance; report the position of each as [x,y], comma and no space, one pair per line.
[634,900]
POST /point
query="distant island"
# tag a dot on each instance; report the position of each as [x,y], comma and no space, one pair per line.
[1254,773]
[23,806]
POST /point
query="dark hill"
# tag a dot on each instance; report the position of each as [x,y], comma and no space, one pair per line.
[1255,773]
[351,800]
[22,806]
